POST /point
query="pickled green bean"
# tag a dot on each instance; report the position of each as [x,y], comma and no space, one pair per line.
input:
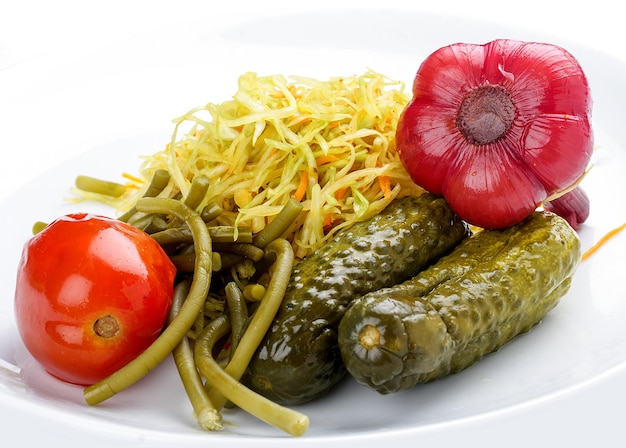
[281,253]
[206,414]
[159,181]
[238,312]
[224,234]
[99,186]
[288,420]
[197,192]
[184,320]
[186,262]
[230,260]
[211,211]
[156,224]
[279,224]
[246,250]
[230,234]
[38,226]
[142,221]
[254,292]
[173,235]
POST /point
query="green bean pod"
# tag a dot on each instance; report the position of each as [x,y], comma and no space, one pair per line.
[197,192]
[206,414]
[288,420]
[279,224]
[281,252]
[238,312]
[219,234]
[159,181]
[185,318]
[99,186]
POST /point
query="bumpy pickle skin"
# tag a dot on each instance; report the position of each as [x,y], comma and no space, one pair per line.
[299,358]
[490,288]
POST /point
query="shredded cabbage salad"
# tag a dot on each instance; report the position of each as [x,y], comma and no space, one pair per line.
[330,145]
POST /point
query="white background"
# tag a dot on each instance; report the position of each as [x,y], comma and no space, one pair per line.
[60,36]
[36,30]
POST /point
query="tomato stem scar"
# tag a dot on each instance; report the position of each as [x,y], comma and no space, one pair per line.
[106,326]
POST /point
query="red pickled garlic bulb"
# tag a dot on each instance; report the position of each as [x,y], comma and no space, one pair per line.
[497,128]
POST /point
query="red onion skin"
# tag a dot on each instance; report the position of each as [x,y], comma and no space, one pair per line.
[546,144]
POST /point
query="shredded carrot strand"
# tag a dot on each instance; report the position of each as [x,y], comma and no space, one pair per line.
[298,195]
[328,221]
[132,178]
[300,119]
[602,241]
[326,159]
[294,91]
[340,193]
[385,185]
[258,140]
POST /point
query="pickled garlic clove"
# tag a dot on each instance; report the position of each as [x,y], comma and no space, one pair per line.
[573,206]
[497,129]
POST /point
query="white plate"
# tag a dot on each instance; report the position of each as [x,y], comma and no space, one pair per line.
[95,109]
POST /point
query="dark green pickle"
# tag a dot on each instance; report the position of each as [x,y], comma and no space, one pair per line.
[490,288]
[299,359]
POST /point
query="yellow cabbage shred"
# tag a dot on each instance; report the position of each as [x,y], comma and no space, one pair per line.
[330,144]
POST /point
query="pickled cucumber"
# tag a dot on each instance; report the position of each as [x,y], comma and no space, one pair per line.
[490,288]
[299,360]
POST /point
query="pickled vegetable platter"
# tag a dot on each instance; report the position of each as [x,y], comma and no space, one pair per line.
[554,357]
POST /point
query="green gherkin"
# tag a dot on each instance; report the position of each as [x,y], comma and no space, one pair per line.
[299,359]
[490,288]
